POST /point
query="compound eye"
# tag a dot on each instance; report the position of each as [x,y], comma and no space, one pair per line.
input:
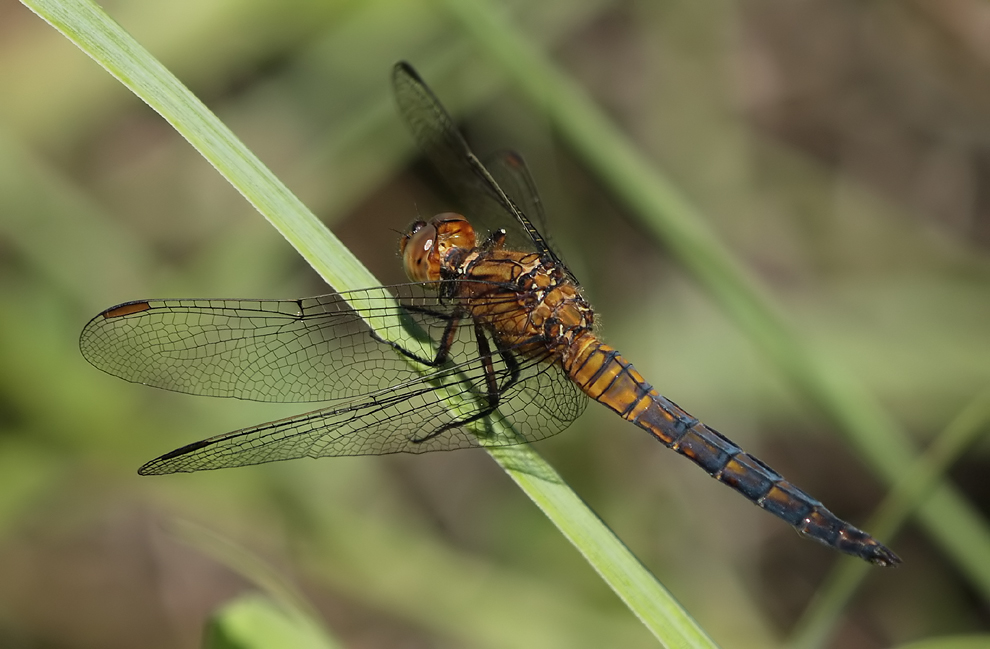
[410,231]
[419,254]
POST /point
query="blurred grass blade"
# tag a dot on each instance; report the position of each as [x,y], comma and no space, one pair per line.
[256,622]
[252,568]
[947,517]
[97,35]
[639,589]
[908,494]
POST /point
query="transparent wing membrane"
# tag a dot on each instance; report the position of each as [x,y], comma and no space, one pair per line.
[485,202]
[321,349]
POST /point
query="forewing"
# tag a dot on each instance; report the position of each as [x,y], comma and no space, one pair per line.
[312,349]
[509,170]
[485,202]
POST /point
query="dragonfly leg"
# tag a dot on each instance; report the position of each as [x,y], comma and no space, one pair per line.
[512,363]
[493,391]
[485,353]
[495,240]
[446,340]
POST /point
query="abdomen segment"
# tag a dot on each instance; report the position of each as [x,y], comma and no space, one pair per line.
[605,376]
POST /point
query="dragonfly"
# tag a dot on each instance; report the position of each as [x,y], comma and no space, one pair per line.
[491,343]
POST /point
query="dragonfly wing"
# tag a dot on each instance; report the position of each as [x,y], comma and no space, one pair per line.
[312,349]
[417,417]
[485,202]
[510,172]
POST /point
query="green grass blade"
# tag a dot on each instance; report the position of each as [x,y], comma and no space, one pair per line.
[255,622]
[635,585]
[97,35]
[254,569]
[947,517]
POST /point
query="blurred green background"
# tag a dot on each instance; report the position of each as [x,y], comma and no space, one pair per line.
[840,150]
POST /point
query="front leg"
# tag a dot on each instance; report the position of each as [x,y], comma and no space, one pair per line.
[492,390]
[495,240]
[446,340]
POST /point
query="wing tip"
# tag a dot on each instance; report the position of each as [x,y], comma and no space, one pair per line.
[162,465]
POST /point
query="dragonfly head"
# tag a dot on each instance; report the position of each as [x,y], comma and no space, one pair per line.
[427,245]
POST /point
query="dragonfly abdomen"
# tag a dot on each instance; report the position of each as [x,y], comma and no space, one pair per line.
[605,376]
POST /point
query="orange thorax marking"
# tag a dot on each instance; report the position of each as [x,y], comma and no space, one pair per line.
[532,308]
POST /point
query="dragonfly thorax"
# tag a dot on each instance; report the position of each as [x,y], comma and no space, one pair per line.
[426,247]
